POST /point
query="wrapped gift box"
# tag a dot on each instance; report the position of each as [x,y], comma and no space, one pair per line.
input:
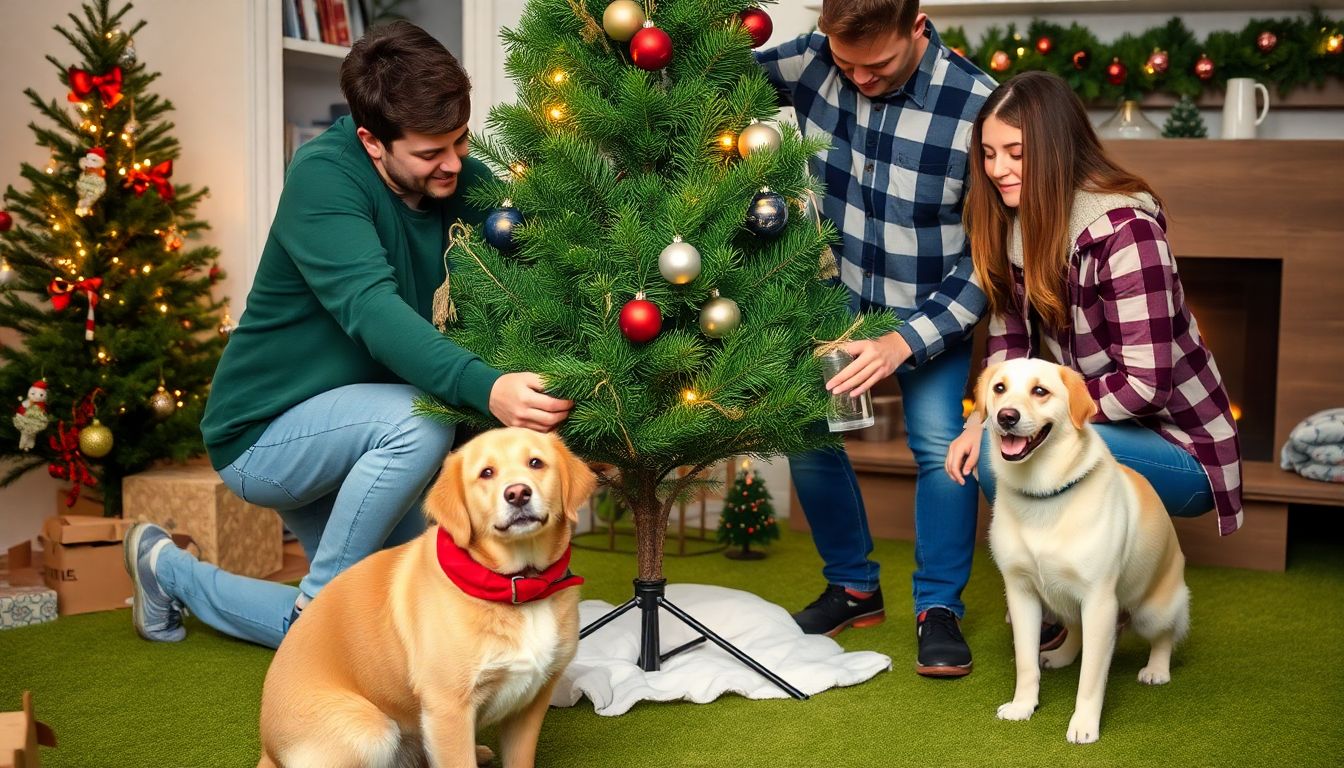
[21,606]
[82,561]
[237,536]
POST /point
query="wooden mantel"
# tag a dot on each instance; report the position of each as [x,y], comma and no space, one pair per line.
[1277,200]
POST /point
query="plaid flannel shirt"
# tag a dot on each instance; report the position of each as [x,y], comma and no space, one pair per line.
[895,178]
[1135,342]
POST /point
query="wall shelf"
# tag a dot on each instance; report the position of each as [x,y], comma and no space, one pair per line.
[306,54]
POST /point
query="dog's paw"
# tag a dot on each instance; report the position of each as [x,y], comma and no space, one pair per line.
[1154,675]
[1015,710]
[1084,729]
[1058,658]
[484,755]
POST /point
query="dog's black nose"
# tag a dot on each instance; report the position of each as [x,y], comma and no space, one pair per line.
[518,494]
[1008,417]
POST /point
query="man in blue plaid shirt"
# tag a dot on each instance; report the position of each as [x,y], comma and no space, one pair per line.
[898,106]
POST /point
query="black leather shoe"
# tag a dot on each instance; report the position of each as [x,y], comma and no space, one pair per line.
[836,610]
[943,652]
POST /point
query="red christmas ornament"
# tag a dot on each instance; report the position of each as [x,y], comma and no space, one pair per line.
[1158,63]
[1000,61]
[1266,41]
[1116,72]
[651,48]
[640,320]
[1044,45]
[1081,59]
[1204,67]
[6,221]
[758,24]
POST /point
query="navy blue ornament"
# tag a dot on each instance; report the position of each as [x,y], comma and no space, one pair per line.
[768,213]
[500,224]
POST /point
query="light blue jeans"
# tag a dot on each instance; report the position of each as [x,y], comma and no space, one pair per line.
[1179,480]
[944,511]
[346,471]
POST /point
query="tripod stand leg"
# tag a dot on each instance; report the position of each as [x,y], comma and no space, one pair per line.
[608,618]
[733,650]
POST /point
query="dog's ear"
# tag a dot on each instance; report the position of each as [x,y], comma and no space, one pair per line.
[1081,406]
[982,391]
[446,503]
[577,481]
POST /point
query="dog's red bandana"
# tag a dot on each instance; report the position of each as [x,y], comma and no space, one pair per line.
[478,581]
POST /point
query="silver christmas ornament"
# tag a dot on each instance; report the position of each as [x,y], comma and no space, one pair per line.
[7,273]
[127,57]
[679,262]
[719,317]
[757,136]
[161,404]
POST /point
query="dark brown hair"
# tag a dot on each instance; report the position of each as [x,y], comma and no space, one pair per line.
[398,78]
[852,20]
[1060,155]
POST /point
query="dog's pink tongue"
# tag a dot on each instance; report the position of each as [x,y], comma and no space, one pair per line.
[1012,445]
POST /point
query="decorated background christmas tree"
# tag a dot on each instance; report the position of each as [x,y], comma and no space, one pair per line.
[120,335]
[748,516]
[650,253]
[1184,122]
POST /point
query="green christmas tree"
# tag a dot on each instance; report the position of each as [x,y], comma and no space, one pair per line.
[1185,121]
[114,308]
[748,516]
[664,275]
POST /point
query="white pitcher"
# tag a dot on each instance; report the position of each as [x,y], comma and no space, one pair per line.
[1239,117]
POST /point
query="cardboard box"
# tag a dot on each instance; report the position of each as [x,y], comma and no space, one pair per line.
[82,561]
[20,735]
[237,536]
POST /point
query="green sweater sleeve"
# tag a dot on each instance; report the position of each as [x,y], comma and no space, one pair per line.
[335,245]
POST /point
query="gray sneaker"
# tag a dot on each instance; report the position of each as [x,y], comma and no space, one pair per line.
[156,615]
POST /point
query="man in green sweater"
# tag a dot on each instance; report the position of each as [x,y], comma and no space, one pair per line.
[310,408]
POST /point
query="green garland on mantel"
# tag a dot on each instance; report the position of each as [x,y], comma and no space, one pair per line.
[1284,54]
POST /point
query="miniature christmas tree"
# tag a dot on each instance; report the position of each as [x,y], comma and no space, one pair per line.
[748,517]
[120,333]
[1185,121]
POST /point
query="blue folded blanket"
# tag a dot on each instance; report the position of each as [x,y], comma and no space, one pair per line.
[1315,448]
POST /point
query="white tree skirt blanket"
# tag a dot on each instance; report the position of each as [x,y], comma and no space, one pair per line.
[605,669]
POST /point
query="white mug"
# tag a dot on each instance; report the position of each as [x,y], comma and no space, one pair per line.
[1239,117]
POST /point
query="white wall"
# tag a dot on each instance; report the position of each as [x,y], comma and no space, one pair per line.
[202,75]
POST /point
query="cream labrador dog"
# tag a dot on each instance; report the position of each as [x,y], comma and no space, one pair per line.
[1077,532]
[403,657]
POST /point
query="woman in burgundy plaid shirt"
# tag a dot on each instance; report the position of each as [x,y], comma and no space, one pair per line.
[1072,252]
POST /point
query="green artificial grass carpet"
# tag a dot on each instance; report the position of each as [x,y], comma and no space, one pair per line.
[1260,681]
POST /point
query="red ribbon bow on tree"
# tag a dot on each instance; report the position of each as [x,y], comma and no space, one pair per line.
[83,84]
[70,464]
[60,290]
[140,180]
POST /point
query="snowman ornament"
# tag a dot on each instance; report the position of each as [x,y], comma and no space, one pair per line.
[31,416]
[92,182]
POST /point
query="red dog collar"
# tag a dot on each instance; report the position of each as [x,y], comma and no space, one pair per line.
[478,581]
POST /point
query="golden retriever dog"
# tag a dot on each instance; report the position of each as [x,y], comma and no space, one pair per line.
[399,660]
[1075,531]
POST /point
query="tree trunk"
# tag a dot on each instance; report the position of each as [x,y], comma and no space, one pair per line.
[650,524]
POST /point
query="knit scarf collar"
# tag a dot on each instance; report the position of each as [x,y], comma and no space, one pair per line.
[481,582]
[1087,208]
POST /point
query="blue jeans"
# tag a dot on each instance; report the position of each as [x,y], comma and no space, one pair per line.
[944,511]
[1179,480]
[345,470]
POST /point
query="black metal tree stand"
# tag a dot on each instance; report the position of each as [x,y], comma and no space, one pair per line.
[649,597]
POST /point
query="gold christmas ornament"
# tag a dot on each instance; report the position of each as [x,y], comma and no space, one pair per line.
[95,440]
[161,404]
[679,262]
[622,19]
[719,317]
[755,137]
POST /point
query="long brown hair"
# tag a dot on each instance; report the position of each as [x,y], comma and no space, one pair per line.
[1060,155]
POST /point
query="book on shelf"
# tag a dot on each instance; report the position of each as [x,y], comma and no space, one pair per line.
[336,22]
[298,135]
